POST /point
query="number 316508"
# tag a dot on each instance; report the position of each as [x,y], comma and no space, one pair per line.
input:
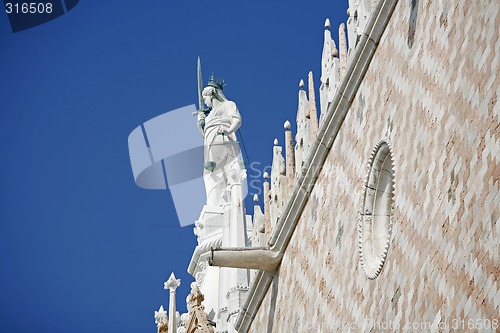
[28,8]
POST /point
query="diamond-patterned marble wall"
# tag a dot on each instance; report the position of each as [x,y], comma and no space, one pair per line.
[432,90]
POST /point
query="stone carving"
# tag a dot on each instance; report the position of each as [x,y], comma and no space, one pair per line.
[223,220]
[172,283]
[225,197]
[375,224]
[173,316]
[203,271]
[237,175]
[258,230]
[330,71]
[184,319]
[183,322]
[161,319]
[198,320]
[352,25]
[222,150]
[278,186]
[359,13]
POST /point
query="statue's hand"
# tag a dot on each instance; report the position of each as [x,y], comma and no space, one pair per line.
[201,116]
[222,131]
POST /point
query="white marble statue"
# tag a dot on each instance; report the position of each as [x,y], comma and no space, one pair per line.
[222,150]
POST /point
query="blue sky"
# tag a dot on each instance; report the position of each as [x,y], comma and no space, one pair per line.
[82,248]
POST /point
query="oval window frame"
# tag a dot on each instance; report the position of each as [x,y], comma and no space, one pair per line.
[377,210]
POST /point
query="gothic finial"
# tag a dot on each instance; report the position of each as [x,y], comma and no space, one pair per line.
[287,125]
[255,198]
[161,316]
[172,283]
[327,23]
[266,175]
[275,142]
[301,84]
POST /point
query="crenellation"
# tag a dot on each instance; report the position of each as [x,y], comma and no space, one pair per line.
[359,13]
[258,229]
[301,136]
[307,124]
[352,25]
[290,156]
[342,50]
[279,186]
[330,72]
[313,112]
[364,13]
[267,200]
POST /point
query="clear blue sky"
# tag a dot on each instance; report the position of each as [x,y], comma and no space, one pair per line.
[82,248]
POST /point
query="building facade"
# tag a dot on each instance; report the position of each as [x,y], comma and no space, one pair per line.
[416,249]
[382,212]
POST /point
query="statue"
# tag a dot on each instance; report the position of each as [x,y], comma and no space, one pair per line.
[218,126]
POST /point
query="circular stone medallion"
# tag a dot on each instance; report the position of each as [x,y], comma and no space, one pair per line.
[375,223]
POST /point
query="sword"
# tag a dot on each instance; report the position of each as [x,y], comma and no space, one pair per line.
[201,104]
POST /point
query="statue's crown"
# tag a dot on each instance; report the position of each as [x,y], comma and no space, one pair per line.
[216,83]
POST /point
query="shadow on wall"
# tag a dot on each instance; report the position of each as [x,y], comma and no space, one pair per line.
[413,23]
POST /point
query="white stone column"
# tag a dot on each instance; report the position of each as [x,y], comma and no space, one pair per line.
[172,284]
[235,279]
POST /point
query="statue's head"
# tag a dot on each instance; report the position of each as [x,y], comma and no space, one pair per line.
[208,94]
[213,90]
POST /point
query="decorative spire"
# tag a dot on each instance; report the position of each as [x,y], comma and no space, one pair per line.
[330,74]
[172,283]
[303,135]
[258,226]
[287,125]
[313,113]
[301,84]
[327,23]
[342,51]
[276,142]
[289,154]
[267,216]
[161,317]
